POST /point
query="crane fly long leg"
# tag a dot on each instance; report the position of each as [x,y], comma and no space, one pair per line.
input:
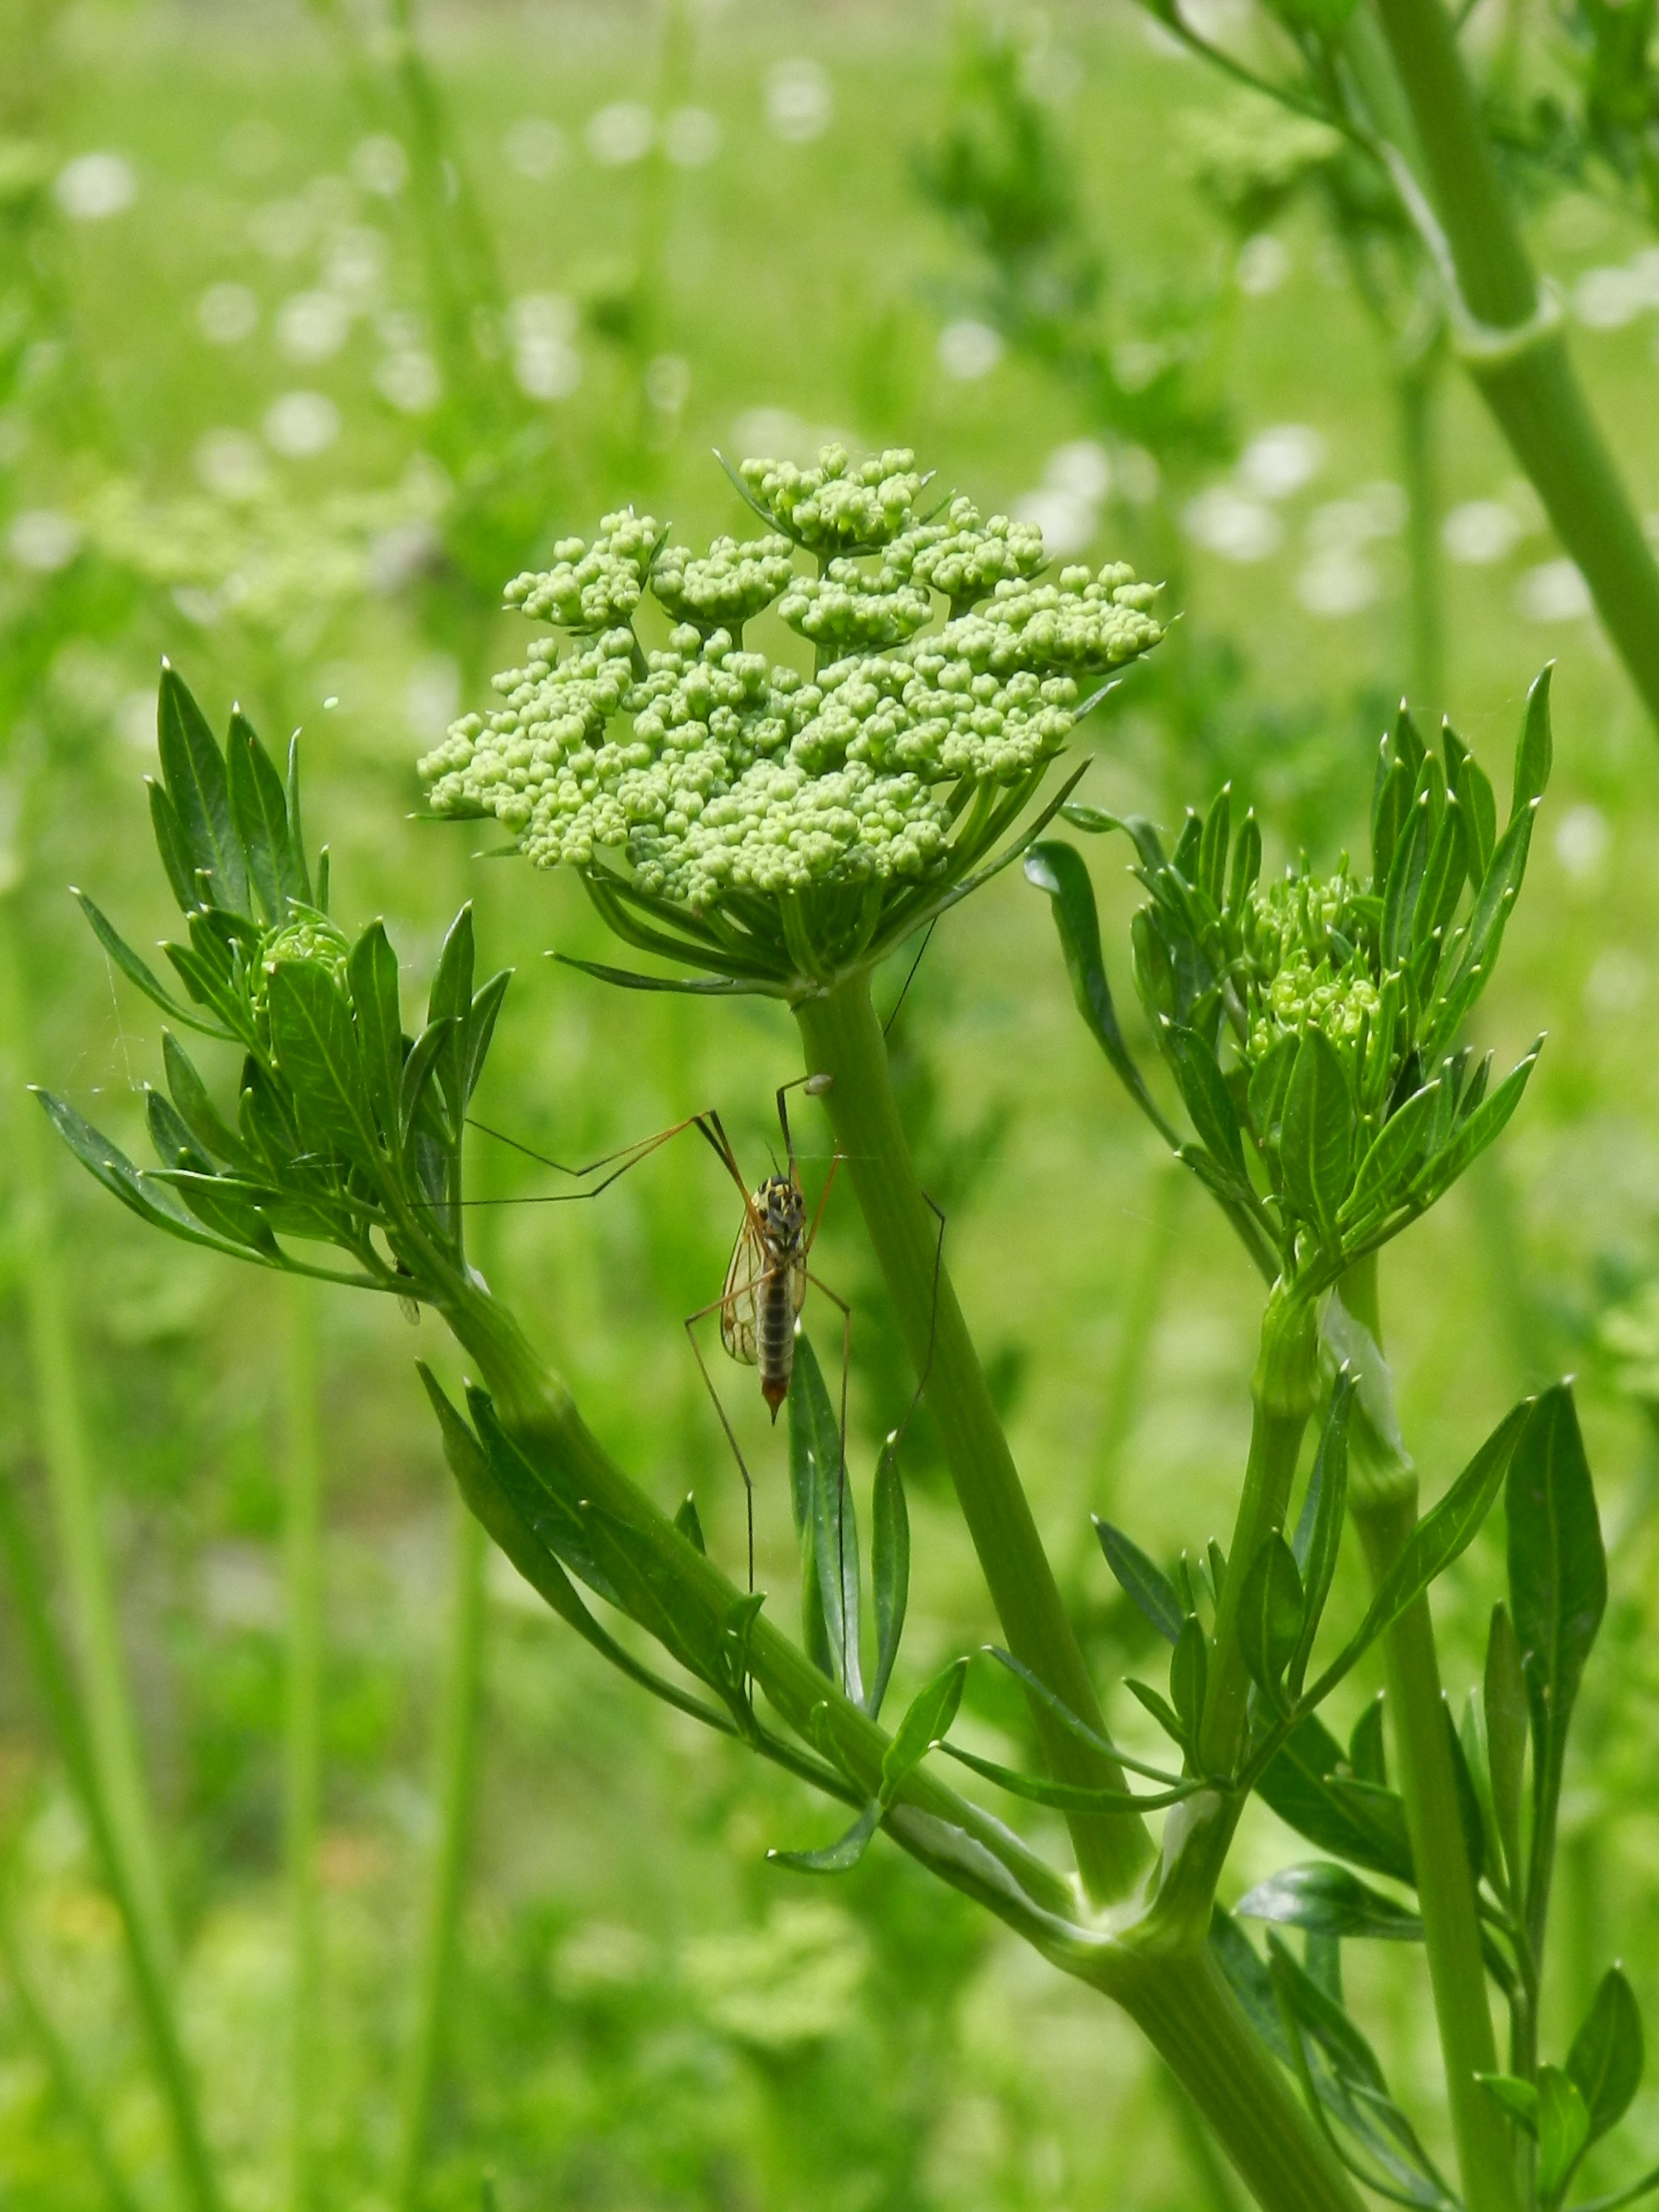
[629,1156]
[715,1306]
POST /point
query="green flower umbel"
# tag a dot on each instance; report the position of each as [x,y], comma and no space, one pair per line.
[776,822]
[1312,1024]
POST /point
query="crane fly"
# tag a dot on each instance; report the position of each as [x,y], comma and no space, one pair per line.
[767,1278]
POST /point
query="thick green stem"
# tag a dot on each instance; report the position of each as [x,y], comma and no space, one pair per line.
[302,1749]
[77,1518]
[457,1763]
[1183,2006]
[1382,1498]
[1528,382]
[1282,1389]
[843,1040]
[1171,1988]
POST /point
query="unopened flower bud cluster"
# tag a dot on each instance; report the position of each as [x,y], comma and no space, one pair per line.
[1309,963]
[311,937]
[709,768]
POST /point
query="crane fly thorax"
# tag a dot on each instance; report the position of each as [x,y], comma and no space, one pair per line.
[780,1211]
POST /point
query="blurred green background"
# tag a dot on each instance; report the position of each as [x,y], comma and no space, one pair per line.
[308,342]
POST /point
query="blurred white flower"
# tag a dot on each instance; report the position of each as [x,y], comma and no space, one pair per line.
[355,270]
[1581,840]
[231,464]
[1278,463]
[968,349]
[1083,468]
[668,383]
[1140,479]
[397,556]
[1617,983]
[800,103]
[1553,592]
[1481,531]
[409,380]
[1338,582]
[544,362]
[1237,529]
[43,539]
[1263,263]
[1607,299]
[196,603]
[1067,521]
[379,165]
[692,137]
[96,185]
[620,133]
[432,696]
[535,146]
[313,325]
[1343,526]
[301,424]
[282,229]
[227,314]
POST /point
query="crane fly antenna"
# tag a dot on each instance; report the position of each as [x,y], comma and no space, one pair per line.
[904,992]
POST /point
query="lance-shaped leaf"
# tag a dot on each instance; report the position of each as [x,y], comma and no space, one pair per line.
[1353,1820]
[1474,1134]
[1558,1592]
[1188,1674]
[481,1026]
[1442,1536]
[151,1199]
[1464,976]
[1404,880]
[890,1567]
[1386,1170]
[1319,1530]
[831,1531]
[1608,2053]
[1147,1588]
[1534,754]
[1564,2132]
[1315,1146]
[927,1722]
[1208,1101]
[1323,1899]
[1074,1797]
[372,975]
[315,1046]
[839,1857]
[1270,1615]
[171,842]
[139,972]
[1059,870]
[258,814]
[195,771]
[207,1126]
[686,1521]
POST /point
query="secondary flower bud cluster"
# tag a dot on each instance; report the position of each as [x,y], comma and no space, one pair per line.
[707,768]
[1308,961]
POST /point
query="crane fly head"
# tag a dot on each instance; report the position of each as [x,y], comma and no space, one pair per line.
[780,1211]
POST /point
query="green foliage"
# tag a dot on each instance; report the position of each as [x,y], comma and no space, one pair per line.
[1311,1026]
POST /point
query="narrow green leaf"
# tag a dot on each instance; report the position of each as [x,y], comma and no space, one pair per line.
[481,1026]
[1159,1707]
[194,768]
[1438,1539]
[890,1567]
[137,971]
[927,1722]
[1188,1673]
[1207,1100]
[1468,1798]
[1316,1145]
[1319,1533]
[832,1527]
[173,845]
[1405,879]
[1442,878]
[1558,1593]
[1475,796]
[451,980]
[258,814]
[839,1857]
[201,1116]
[686,1521]
[1466,976]
[1518,2100]
[1534,752]
[1328,1900]
[1474,1134]
[1269,1081]
[1368,1753]
[372,976]
[417,1071]
[1059,870]
[1212,847]
[1563,2132]
[299,866]
[1352,1821]
[315,1046]
[1390,803]
[803,1469]
[150,1199]
[175,1147]
[1270,1615]
[1147,1588]
[1608,2053]
[1070,1797]
[1386,1170]
[1246,863]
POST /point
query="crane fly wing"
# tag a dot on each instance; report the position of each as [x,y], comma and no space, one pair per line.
[739,1298]
[798,1283]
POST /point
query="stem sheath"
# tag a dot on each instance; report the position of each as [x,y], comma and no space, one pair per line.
[843,1040]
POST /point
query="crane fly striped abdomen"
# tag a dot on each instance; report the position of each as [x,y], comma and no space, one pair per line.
[766,1285]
